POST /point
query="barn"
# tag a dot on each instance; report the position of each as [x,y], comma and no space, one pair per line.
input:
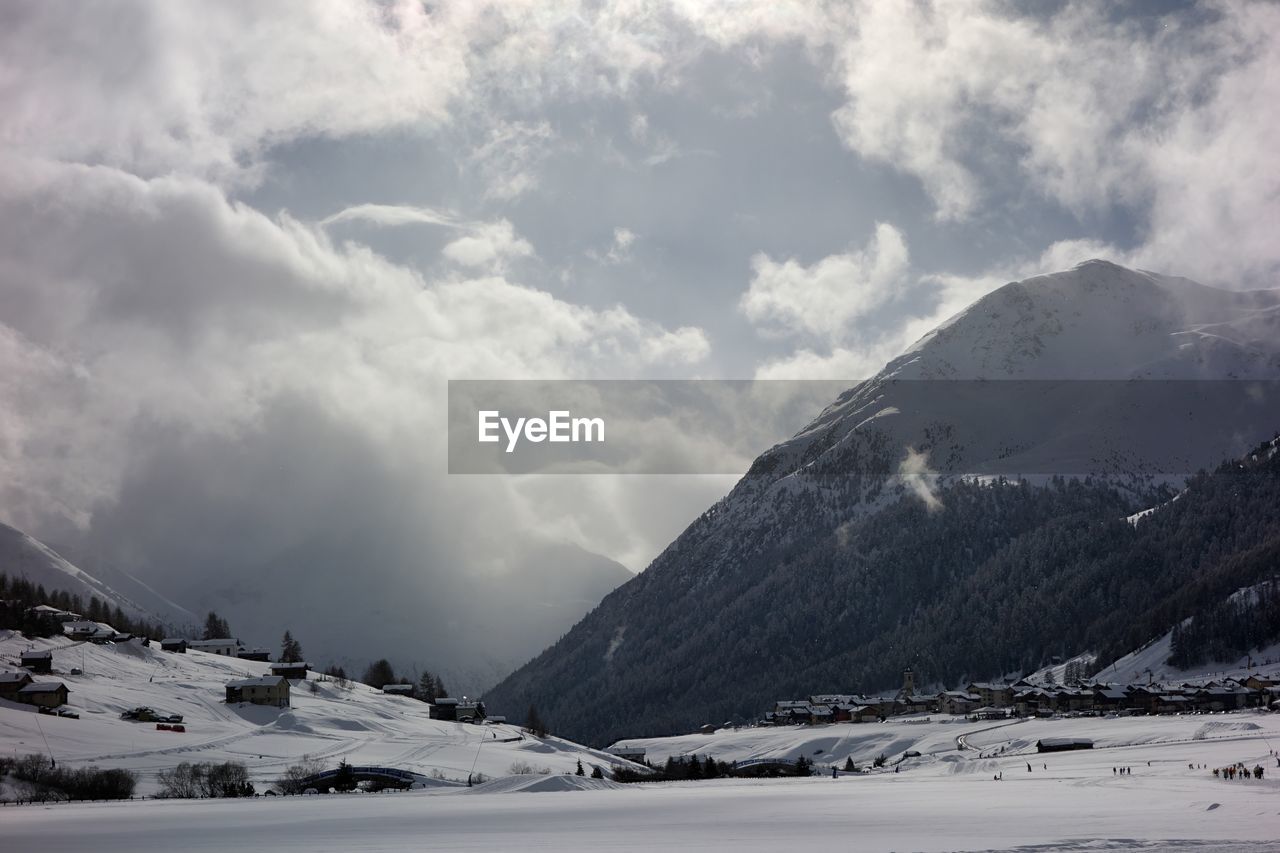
[1062,744]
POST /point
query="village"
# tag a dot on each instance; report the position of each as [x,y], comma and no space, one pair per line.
[24,685]
[1022,698]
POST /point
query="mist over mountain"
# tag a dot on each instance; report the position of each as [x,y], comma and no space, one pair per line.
[859,545]
[477,628]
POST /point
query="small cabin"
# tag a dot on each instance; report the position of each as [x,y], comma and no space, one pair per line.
[44,694]
[398,690]
[628,753]
[224,646]
[444,709]
[38,661]
[12,682]
[291,671]
[177,645]
[267,690]
[260,655]
[1062,744]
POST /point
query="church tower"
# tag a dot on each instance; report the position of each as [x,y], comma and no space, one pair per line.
[908,683]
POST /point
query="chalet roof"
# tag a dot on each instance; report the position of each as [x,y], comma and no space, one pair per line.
[301,664]
[989,685]
[45,655]
[44,687]
[261,681]
[13,677]
[443,701]
[959,694]
[175,640]
[1065,741]
[217,641]
[1223,690]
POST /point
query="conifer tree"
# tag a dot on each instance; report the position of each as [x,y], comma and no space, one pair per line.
[290,649]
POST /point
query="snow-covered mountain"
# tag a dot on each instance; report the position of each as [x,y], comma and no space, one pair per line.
[24,556]
[1074,372]
[1097,370]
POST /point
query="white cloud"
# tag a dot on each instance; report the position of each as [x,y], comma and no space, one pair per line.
[823,299]
[507,159]
[489,245]
[1168,118]
[916,475]
[619,251]
[392,215]
[159,301]
[205,88]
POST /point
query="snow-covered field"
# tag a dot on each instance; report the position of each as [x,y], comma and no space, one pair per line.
[1076,804]
[949,745]
[355,723]
[945,799]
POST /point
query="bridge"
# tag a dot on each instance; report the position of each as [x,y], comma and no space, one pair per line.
[765,765]
[390,776]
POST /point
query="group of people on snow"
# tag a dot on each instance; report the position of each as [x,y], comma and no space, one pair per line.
[1238,771]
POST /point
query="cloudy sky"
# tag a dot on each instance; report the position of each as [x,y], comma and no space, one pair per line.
[245,244]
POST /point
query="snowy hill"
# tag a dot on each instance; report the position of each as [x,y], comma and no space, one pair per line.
[326,721]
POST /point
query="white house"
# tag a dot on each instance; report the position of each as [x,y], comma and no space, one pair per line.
[223,646]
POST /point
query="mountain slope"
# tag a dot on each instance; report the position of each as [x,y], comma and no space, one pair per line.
[23,556]
[822,570]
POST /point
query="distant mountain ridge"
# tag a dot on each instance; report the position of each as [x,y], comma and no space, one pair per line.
[741,602]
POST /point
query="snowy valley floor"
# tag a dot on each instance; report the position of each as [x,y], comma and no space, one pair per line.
[943,799]
[1077,804]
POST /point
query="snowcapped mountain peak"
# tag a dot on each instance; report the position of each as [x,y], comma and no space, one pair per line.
[1099,320]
